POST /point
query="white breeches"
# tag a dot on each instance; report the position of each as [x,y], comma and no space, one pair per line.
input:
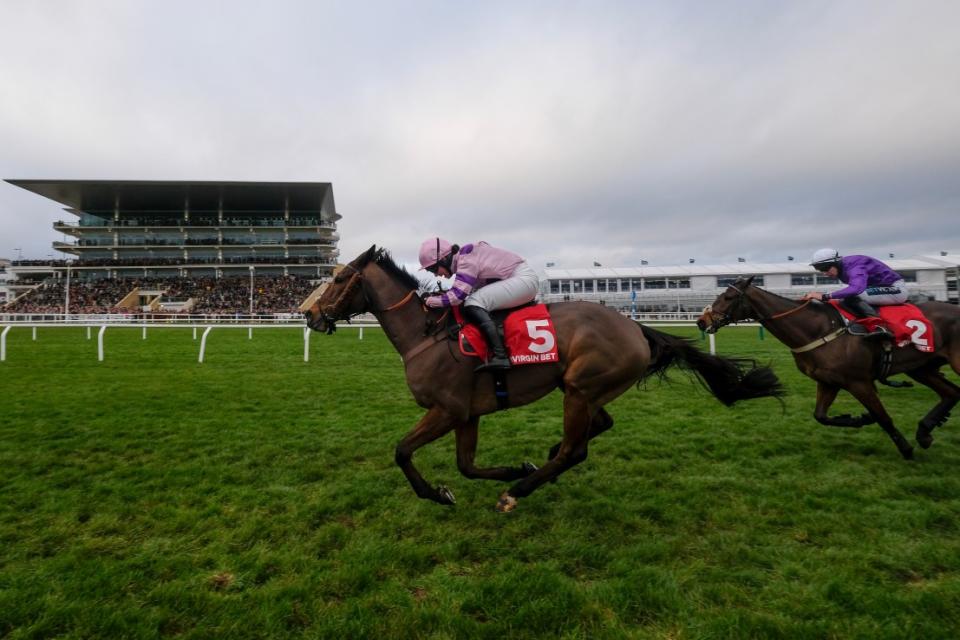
[518,289]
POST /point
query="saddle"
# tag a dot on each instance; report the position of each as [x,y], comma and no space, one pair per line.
[905,321]
[527,331]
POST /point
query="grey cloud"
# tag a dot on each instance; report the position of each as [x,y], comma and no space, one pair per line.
[609,132]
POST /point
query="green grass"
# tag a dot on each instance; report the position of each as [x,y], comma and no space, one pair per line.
[255,496]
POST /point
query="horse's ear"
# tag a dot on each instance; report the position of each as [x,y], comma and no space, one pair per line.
[370,253]
[748,282]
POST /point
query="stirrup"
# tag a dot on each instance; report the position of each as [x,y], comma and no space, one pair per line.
[857,329]
[494,364]
[880,333]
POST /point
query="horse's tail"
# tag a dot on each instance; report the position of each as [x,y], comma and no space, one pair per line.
[729,379]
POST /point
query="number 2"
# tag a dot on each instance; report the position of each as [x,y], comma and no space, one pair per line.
[919,328]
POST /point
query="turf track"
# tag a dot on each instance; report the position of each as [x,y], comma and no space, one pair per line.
[255,496]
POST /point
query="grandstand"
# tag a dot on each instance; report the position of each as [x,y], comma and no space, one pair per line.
[690,287]
[180,246]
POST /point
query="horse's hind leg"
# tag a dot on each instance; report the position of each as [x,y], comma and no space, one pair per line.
[435,423]
[573,449]
[826,394]
[603,421]
[949,395]
[467,451]
[866,393]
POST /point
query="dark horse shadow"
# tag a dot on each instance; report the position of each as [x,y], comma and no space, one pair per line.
[826,352]
[602,354]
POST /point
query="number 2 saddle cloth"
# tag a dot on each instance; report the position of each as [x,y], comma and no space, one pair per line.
[529,336]
[905,321]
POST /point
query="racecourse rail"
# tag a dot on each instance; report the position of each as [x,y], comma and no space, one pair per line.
[207,323]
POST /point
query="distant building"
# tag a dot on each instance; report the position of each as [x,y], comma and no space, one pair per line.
[5,276]
[690,287]
[163,229]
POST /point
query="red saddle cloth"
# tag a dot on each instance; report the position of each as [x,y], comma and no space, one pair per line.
[906,321]
[529,336]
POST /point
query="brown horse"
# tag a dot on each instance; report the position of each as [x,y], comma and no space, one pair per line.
[602,354]
[826,352]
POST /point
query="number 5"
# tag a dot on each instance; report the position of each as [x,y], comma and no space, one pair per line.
[536,332]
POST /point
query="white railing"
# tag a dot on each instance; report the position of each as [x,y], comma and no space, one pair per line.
[152,321]
[208,322]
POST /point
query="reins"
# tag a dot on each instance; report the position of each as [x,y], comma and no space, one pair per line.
[819,342]
[787,312]
[333,311]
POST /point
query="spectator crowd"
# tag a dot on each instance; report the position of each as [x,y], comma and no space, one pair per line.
[224,296]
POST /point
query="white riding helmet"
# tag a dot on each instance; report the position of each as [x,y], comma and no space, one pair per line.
[824,257]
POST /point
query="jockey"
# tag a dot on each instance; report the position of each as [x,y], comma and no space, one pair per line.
[484,279]
[870,283]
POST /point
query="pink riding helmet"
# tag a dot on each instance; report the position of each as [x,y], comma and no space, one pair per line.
[433,250]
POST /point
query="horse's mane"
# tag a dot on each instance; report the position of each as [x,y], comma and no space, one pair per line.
[824,307]
[385,261]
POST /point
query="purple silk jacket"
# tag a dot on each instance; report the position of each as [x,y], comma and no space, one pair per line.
[860,272]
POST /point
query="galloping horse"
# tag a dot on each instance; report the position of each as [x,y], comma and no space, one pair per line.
[824,351]
[602,354]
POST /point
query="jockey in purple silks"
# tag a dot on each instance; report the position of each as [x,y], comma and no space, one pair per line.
[485,279]
[870,283]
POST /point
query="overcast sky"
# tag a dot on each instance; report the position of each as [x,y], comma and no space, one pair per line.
[569,132]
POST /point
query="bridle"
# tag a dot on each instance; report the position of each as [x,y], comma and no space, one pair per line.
[720,319]
[724,319]
[336,310]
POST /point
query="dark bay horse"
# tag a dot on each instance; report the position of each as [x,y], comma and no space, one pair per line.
[602,354]
[824,351]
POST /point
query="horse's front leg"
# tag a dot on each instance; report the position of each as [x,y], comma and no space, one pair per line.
[866,393]
[826,394]
[467,451]
[431,426]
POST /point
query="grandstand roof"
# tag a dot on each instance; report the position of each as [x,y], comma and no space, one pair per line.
[737,268]
[155,195]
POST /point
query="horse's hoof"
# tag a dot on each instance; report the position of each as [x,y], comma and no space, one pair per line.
[528,468]
[506,503]
[924,439]
[445,496]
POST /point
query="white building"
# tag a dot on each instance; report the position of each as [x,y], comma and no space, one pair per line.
[691,287]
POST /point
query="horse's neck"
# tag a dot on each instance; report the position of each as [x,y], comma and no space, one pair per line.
[790,325]
[403,325]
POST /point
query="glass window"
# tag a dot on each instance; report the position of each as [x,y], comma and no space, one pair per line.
[655,283]
[554,286]
[577,286]
[825,279]
[908,276]
[683,283]
[802,279]
[601,286]
[588,286]
[564,286]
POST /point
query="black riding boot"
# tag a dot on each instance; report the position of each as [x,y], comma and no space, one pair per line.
[498,354]
[860,309]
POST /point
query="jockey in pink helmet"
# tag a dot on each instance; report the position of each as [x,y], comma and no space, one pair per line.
[485,279]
